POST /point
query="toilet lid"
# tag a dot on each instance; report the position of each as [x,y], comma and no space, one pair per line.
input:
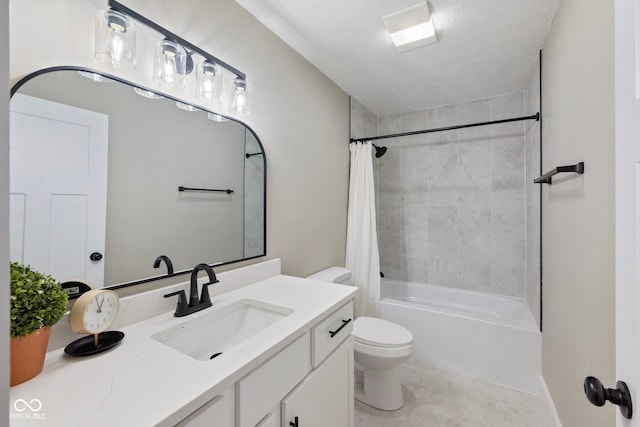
[380,333]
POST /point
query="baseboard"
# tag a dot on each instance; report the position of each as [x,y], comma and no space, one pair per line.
[549,409]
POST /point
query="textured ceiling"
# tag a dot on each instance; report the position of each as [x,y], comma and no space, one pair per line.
[485,48]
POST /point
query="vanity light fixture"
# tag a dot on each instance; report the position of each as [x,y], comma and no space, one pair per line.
[208,82]
[95,77]
[171,64]
[217,118]
[186,107]
[240,97]
[147,93]
[173,59]
[115,39]
[411,28]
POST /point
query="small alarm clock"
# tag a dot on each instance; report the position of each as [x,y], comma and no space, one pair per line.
[92,313]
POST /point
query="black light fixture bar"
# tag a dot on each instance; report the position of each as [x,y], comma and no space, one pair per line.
[115,5]
[535,117]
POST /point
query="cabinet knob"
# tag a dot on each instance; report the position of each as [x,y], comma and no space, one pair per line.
[597,394]
[96,256]
[294,423]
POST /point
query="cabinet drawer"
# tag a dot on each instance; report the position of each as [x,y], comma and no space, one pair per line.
[330,332]
[262,389]
[221,411]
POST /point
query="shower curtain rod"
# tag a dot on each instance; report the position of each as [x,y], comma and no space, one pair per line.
[535,117]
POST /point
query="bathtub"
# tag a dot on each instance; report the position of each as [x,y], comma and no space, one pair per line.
[491,337]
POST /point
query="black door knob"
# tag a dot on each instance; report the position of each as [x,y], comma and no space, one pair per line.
[96,256]
[598,395]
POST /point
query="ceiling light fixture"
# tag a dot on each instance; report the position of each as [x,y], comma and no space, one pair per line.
[411,28]
[173,59]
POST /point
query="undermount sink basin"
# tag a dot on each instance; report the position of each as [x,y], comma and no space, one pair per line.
[208,335]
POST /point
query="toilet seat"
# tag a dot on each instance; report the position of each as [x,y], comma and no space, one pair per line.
[375,332]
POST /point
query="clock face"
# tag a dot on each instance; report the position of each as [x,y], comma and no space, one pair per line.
[94,311]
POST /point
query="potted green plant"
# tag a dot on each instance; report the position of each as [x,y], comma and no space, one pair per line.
[37,303]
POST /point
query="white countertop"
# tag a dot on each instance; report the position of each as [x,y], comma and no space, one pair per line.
[143,382]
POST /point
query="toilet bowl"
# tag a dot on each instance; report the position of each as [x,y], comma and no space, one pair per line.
[379,348]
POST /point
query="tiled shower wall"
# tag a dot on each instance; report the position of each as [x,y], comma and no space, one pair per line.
[532,158]
[451,205]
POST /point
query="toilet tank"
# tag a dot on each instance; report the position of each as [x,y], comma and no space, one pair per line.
[333,275]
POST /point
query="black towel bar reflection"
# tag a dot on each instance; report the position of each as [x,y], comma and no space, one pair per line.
[546,178]
[228,191]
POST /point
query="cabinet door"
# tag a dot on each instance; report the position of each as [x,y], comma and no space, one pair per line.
[218,412]
[325,397]
[272,419]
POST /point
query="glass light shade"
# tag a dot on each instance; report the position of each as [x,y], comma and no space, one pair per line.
[240,97]
[170,64]
[208,82]
[186,107]
[95,77]
[115,39]
[147,93]
[217,118]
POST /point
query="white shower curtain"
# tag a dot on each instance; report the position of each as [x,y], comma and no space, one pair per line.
[362,256]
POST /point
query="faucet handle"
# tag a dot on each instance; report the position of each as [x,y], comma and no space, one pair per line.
[204,297]
[182,302]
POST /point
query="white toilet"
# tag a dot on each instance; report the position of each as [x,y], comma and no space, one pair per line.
[380,347]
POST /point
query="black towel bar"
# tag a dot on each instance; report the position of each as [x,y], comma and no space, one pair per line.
[546,178]
[181,188]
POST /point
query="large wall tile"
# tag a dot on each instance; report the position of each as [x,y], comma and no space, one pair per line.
[507,235]
[474,174]
[474,277]
[442,166]
[443,232]
[506,280]
[452,204]
[507,159]
[474,233]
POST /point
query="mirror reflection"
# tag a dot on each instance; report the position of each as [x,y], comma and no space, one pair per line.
[95,176]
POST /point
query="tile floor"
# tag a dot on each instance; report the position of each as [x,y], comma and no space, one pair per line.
[435,397]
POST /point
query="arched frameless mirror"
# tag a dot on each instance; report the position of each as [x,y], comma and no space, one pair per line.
[96,172]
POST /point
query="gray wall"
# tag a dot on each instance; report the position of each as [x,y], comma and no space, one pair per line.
[299,114]
[578,222]
[451,204]
[363,122]
[532,167]
[4,212]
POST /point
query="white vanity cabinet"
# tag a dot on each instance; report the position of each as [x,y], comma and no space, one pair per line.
[300,365]
[219,411]
[286,386]
[311,379]
[264,388]
[325,397]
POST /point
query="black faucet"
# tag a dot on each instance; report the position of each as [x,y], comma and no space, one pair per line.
[195,304]
[167,261]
